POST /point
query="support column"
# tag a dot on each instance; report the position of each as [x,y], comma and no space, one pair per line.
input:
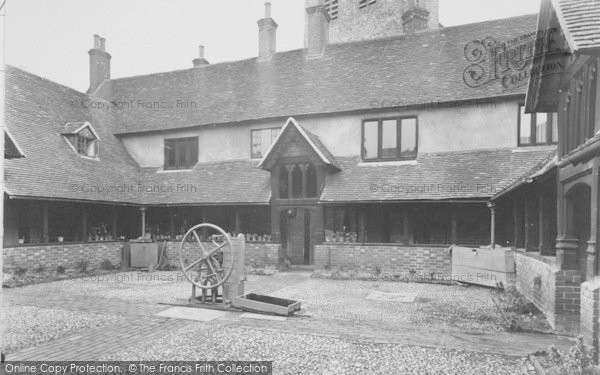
[84,224]
[541,226]
[453,227]
[238,222]
[591,245]
[45,235]
[516,226]
[492,207]
[362,232]
[172,229]
[526,223]
[143,212]
[115,220]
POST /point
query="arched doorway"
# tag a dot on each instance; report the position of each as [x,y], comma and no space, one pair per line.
[578,221]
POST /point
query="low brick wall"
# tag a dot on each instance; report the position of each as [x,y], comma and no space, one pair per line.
[422,261]
[257,254]
[67,255]
[590,314]
[555,292]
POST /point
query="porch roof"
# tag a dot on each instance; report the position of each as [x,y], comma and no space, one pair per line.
[476,174]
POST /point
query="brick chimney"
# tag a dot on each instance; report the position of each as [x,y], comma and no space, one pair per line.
[416,16]
[200,60]
[317,27]
[267,33]
[99,63]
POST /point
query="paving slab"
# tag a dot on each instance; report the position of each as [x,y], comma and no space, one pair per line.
[192,313]
[263,317]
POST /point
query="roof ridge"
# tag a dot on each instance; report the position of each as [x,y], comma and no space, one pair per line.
[296,50]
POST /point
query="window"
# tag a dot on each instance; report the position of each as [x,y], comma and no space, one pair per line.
[389,139]
[297,181]
[181,153]
[537,128]
[85,143]
[262,139]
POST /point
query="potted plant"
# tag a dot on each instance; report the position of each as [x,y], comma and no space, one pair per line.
[21,240]
[61,239]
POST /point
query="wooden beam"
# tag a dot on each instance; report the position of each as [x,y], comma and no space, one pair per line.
[515,210]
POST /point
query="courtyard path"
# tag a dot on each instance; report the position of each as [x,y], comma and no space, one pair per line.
[141,325]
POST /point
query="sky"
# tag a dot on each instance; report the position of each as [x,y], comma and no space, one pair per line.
[51,37]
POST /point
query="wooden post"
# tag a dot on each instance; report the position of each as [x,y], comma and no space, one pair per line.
[362,232]
[453,227]
[143,212]
[84,224]
[2,109]
[115,221]
[45,235]
[526,223]
[516,226]
[172,233]
[492,207]
[591,270]
[541,227]
[406,226]
[238,223]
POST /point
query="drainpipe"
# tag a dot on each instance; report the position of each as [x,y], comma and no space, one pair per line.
[492,207]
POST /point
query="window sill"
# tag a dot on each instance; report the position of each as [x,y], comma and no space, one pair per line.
[174,170]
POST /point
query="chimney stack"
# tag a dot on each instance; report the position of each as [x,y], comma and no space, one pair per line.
[99,63]
[200,60]
[267,32]
[317,27]
[416,16]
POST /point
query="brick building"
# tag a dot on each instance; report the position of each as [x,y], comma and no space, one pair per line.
[386,142]
[565,80]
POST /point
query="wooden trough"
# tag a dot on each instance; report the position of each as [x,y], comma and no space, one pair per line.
[266,304]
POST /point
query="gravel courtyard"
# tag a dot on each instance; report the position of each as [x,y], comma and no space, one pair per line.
[344,333]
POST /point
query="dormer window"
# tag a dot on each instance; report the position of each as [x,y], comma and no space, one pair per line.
[82,138]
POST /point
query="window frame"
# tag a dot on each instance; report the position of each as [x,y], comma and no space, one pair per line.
[177,141]
[533,128]
[258,130]
[380,121]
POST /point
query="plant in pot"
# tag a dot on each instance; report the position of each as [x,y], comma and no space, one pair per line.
[21,240]
[61,239]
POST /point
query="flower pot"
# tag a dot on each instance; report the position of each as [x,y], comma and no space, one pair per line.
[61,238]
[21,241]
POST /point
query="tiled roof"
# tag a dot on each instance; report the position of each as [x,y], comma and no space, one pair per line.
[441,176]
[580,21]
[36,113]
[209,183]
[422,68]
[312,140]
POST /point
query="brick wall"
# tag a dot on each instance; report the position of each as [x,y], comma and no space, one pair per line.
[555,292]
[589,326]
[257,254]
[397,260]
[67,255]
[381,19]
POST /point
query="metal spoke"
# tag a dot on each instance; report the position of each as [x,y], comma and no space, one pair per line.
[210,253]
[199,242]
[193,264]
